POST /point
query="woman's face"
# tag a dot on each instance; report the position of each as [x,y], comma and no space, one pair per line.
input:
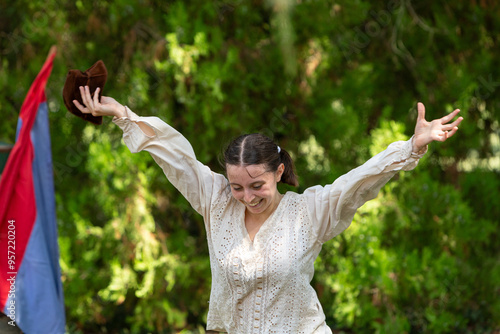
[255,187]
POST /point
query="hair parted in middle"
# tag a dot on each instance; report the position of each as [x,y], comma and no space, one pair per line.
[258,149]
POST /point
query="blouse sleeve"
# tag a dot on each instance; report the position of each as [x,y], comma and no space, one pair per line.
[175,155]
[332,207]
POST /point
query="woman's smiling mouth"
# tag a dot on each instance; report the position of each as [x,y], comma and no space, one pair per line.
[252,205]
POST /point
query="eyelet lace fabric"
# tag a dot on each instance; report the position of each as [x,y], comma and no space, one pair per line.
[263,286]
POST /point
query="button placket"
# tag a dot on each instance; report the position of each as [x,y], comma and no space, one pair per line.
[258,298]
[239,289]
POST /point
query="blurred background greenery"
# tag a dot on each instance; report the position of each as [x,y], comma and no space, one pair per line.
[333,82]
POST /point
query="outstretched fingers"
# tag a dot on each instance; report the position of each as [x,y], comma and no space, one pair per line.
[86,97]
[450,116]
[448,130]
[435,130]
[85,108]
[452,132]
[454,124]
[89,103]
[452,128]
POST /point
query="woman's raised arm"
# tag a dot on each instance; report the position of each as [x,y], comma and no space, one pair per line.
[170,150]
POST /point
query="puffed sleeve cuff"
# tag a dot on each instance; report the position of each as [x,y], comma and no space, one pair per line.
[135,140]
[124,121]
[408,158]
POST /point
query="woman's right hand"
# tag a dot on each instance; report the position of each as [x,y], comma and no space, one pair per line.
[107,107]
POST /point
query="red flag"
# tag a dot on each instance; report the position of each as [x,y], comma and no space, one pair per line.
[30,285]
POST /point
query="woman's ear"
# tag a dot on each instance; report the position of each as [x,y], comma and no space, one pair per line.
[279,172]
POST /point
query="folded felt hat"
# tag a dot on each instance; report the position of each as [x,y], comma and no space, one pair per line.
[94,77]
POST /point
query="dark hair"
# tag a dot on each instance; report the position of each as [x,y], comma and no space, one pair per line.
[256,149]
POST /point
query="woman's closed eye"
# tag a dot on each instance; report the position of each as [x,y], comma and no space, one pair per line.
[254,187]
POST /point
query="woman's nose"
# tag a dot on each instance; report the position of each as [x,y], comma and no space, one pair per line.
[249,196]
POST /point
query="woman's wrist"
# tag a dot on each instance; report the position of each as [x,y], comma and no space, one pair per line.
[417,147]
[120,111]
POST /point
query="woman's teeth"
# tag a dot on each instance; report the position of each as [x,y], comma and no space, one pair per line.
[254,204]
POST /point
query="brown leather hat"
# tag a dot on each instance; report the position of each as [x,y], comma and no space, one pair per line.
[94,77]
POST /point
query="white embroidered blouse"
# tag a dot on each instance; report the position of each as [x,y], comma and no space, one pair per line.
[264,286]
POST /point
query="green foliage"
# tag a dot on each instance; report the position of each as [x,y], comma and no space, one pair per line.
[333,82]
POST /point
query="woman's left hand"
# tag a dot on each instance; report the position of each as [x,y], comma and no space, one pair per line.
[437,130]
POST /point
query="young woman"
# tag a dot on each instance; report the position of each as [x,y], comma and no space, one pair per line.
[262,243]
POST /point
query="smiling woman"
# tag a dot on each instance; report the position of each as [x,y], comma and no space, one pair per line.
[263,244]
[256,188]
[254,165]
